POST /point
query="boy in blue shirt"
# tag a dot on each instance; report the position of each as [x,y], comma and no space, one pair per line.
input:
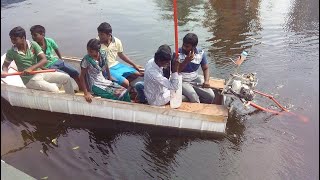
[191,58]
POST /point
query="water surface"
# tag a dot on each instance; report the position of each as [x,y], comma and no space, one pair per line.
[282,38]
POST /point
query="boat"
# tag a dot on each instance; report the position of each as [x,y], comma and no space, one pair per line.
[195,116]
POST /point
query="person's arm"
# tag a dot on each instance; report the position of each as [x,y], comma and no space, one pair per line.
[55,47]
[187,60]
[127,60]
[5,68]
[58,53]
[206,75]
[205,69]
[40,64]
[87,95]
[108,72]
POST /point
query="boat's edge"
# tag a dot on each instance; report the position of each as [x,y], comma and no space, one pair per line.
[137,113]
[10,172]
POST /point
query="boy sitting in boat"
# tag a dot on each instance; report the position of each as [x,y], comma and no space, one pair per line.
[191,58]
[25,54]
[92,66]
[121,73]
[49,46]
[157,87]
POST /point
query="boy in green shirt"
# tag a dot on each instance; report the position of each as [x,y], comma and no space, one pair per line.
[25,54]
[49,46]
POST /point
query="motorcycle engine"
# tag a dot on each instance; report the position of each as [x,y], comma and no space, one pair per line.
[241,86]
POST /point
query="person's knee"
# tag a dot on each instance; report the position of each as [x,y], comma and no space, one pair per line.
[209,98]
[193,97]
[74,74]
[125,83]
[133,76]
[64,78]
[38,85]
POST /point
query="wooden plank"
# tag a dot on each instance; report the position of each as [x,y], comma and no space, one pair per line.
[217,83]
[205,109]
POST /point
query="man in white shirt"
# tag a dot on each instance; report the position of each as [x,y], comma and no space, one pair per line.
[156,86]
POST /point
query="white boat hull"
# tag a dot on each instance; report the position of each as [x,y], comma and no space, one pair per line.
[202,117]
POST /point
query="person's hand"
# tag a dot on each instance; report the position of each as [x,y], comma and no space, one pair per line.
[27,71]
[4,74]
[238,61]
[137,67]
[141,72]
[190,56]
[206,84]
[88,97]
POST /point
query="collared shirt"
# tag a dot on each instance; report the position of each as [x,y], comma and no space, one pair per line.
[24,60]
[156,86]
[189,73]
[112,51]
[51,45]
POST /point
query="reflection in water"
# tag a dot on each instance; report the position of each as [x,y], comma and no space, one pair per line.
[34,129]
[185,9]
[230,22]
[304,15]
[160,146]
[256,146]
[8,3]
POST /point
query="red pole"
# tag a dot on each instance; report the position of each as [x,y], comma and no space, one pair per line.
[271,97]
[262,108]
[175,19]
[32,72]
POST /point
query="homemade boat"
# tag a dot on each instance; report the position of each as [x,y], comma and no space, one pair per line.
[204,117]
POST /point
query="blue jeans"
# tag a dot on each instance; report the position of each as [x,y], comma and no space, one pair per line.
[65,67]
[139,86]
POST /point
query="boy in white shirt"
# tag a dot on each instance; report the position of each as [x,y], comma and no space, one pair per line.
[156,86]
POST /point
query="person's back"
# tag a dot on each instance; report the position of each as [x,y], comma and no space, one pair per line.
[25,54]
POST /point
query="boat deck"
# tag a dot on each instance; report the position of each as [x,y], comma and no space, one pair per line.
[196,108]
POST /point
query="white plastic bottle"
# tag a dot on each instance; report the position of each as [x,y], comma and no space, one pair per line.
[244,55]
[176,96]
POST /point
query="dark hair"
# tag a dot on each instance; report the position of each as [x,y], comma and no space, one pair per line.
[163,53]
[94,44]
[105,28]
[37,29]
[17,32]
[191,38]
